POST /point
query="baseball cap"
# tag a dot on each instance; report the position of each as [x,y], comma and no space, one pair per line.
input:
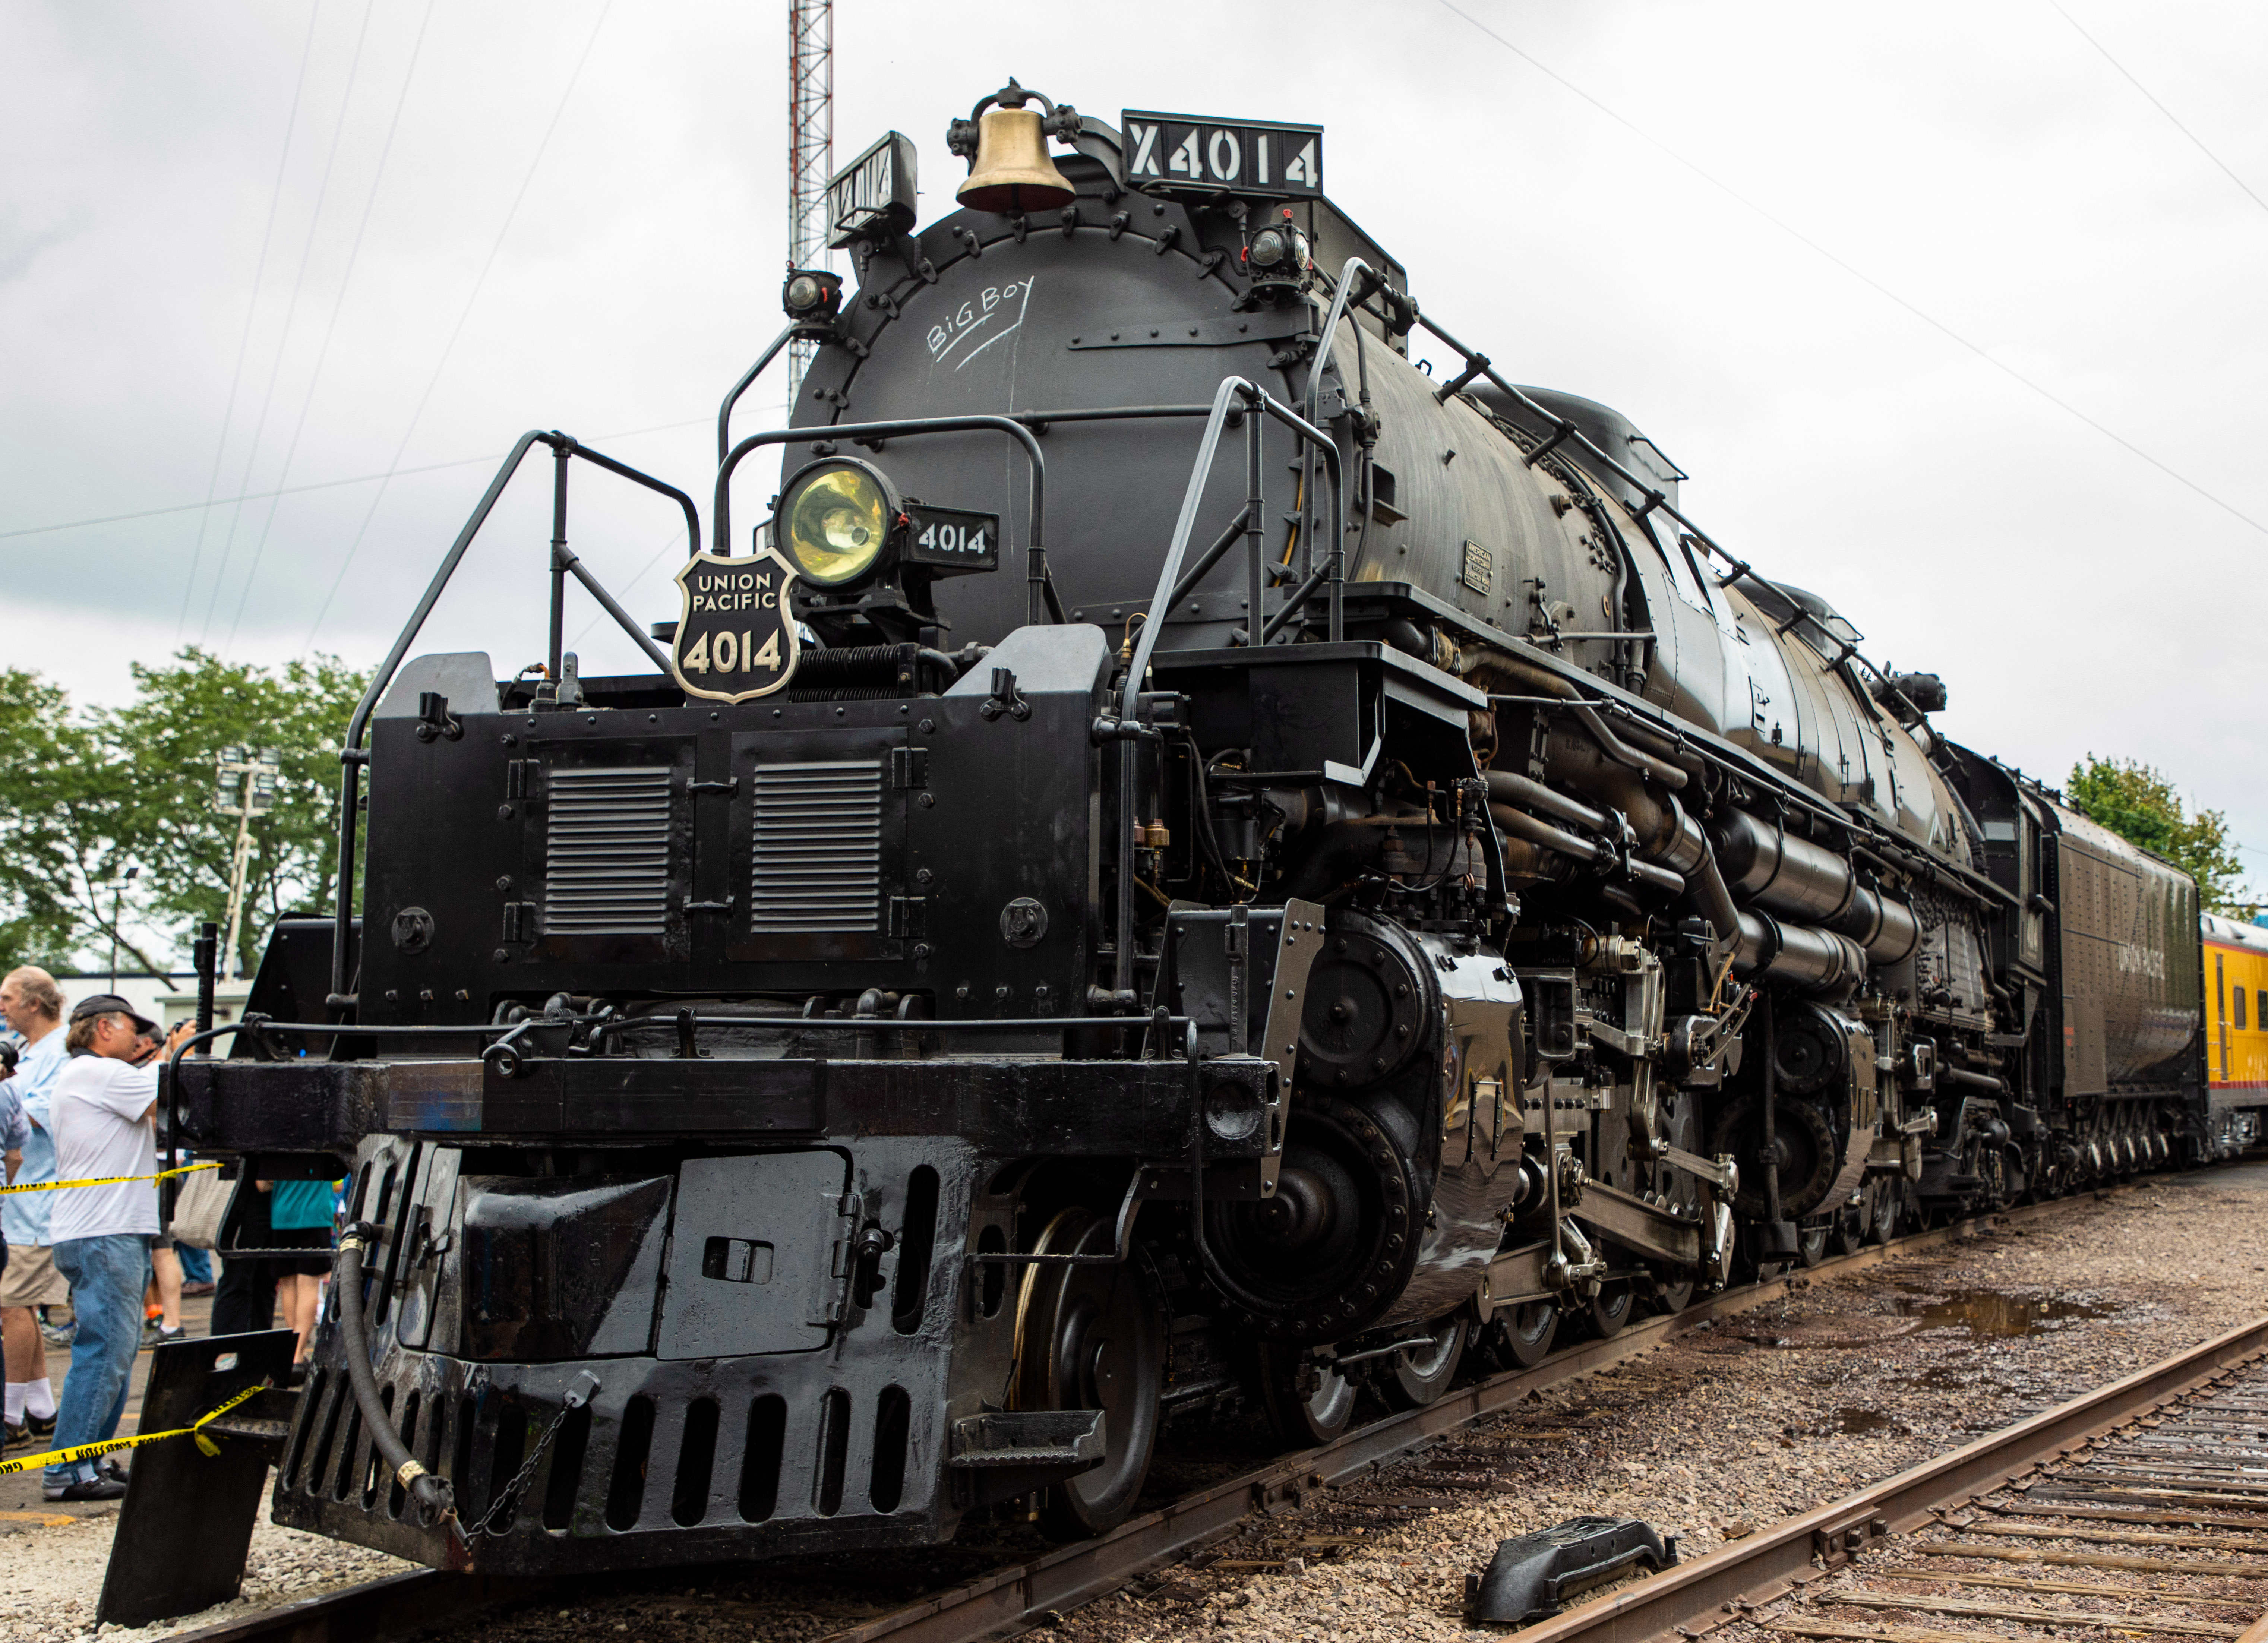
[108,1003]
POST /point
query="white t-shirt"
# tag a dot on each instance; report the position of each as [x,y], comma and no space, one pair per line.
[96,1117]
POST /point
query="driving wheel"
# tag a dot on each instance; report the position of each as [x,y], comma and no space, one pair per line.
[1093,1337]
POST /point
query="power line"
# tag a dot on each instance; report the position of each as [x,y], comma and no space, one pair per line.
[326,484]
[250,312]
[472,296]
[291,313]
[2156,104]
[330,329]
[1804,239]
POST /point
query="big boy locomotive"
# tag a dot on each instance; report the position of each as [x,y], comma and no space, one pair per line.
[1184,859]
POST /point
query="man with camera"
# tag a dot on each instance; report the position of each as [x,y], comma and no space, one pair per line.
[103,1118]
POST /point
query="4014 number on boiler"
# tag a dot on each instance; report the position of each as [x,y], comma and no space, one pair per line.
[732,653]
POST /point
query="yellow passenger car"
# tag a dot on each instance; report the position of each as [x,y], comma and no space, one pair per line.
[2235,1011]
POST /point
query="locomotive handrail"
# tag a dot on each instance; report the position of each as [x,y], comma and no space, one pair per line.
[1256,402]
[1169,578]
[1042,590]
[351,756]
[1561,429]
[724,412]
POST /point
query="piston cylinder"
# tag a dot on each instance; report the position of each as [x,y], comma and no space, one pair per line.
[1768,867]
[1818,961]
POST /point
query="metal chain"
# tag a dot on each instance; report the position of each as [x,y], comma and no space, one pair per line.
[497,1520]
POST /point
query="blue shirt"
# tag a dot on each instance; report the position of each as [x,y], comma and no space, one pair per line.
[23,1215]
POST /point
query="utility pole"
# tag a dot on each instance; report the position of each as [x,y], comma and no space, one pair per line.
[244,787]
[118,887]
[810,151]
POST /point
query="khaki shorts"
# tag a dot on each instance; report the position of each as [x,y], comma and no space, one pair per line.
[30,1280]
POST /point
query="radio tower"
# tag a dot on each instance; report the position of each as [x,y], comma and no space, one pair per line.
[810,148]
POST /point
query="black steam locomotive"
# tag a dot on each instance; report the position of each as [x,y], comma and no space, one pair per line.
[1185,861]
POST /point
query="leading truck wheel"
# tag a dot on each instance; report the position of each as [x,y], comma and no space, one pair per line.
[1420,1374]
[1609,1309]
[1520,1337]
[1308,1402]
[1811,1244]
[1093,1337]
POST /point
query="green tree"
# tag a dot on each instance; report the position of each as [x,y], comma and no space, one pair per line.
[2137,802]
[183,715]
[84,795]
[62,794]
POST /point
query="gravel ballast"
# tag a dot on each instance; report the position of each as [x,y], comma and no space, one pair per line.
[1758,1416]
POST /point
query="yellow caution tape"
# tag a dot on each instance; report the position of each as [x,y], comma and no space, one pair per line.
[108,1180]
[82,1451]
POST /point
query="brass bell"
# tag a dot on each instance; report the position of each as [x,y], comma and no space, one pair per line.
[1012,171]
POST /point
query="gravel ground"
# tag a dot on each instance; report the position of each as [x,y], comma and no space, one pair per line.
[1767,1414]
[55,1575]
[2113,1569]
[1761,1415]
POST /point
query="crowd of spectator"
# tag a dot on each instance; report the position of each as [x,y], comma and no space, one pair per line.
[91,1267]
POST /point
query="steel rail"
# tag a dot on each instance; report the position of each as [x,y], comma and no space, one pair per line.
[1023,1593]
[1776,1560]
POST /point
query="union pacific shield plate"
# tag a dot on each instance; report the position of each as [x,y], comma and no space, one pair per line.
[735,637]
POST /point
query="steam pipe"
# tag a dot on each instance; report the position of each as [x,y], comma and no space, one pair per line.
[1512,789]
[1519,824]
[1622,753]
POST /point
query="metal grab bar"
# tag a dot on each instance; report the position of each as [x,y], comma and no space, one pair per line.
[351,756]
[1043,591]
[1255,402]
[724,412]
[1258,401]
[1561,429]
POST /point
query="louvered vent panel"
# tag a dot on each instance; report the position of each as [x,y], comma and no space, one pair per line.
[606,851]
[818,856]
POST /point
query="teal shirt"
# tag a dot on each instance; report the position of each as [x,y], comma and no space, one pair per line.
[298,1205]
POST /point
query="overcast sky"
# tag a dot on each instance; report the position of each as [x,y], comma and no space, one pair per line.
[1816,252]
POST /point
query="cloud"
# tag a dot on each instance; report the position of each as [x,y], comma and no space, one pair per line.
[1984,164]
[20,247]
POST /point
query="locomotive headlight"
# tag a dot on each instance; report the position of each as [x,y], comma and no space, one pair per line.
[836,520]
[811,295]
[1278,252]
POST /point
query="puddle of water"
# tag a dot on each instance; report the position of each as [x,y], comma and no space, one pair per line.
[1989,1316]
[1861,1423]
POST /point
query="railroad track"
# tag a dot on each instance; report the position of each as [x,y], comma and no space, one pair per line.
[2140,1508]
[1749,1573]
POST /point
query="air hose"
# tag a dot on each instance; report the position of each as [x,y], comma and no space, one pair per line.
[431,1494]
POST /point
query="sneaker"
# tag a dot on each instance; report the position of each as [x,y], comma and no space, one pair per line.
[16,1434]
[163,1337]
[197,1289]
[103,1488]
[41,1426]
[59,1334]
[111,1466]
